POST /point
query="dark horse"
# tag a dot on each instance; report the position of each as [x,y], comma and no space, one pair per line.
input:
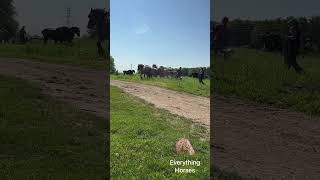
[99,20]
[61,34]
[48,34]
[66,34]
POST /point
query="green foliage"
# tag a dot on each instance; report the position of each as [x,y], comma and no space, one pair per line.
[8,24]
[112,65]
[82,53]
[245,32]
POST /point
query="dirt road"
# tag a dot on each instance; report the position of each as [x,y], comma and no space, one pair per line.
[257,141]
[191,107]
[86,89]
[263,142]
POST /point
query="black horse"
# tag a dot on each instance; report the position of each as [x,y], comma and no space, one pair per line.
[65,34]
[61,34]
[129,72]
[144,71]
[48,34]
[99,20]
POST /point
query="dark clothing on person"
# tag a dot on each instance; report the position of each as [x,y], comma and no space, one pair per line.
[219,38]
[22,35]
[201,76]
[179,73]
[291,49]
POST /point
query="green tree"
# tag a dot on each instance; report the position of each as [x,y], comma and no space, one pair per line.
[112,66]
[8,24]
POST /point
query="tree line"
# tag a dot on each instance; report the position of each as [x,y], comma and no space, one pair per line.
[8,23]
[249,32]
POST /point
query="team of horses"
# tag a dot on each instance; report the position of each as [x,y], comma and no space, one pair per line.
[60,34]
[99,21]
[147,71]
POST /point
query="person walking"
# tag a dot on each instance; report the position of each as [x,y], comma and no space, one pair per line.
[22,35]
[179,73]
[201,76]
[292,46]
[219,36]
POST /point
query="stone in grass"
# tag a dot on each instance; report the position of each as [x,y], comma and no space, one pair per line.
[184,145]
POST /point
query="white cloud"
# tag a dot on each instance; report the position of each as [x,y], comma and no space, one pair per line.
[142,29]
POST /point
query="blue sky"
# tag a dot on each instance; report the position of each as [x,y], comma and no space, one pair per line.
[164,32]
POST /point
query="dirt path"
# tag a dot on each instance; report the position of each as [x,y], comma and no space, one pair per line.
[191,107]
[263,142]
[80,87]
[255,140]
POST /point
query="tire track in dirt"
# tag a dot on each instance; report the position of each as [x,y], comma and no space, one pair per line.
[83,88]
[195,108]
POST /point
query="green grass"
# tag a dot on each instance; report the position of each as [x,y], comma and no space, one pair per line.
[41,138]
[143,141]
[83,53]
[262,77]
[187,84]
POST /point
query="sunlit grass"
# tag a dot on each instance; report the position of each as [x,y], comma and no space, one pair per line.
[263,77]
[143,141]
[83,53]
[187,84]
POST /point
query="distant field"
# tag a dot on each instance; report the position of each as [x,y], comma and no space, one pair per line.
[187,84]
[41,138]
[262,77]
[82,53]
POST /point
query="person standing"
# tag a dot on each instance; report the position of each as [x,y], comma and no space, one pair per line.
[219,35]
[179,73]
[292,46]
[201,76]
[22,35]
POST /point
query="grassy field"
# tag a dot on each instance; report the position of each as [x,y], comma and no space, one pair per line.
[83,53]
[187,84]
[263,77]
[41,138]
[143,141]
